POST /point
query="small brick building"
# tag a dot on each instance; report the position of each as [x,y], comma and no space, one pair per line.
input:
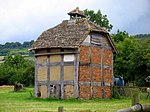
[74,60]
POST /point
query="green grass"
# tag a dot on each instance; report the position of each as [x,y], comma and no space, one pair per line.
[23,102]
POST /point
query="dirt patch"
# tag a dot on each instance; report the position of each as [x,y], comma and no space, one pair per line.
[7,86]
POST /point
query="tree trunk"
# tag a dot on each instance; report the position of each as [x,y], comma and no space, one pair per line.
[137,108]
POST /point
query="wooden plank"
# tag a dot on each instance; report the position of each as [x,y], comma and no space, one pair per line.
[107,83]
[55,64]
[55,82]
[91,79]
[41,65]
[48,76]
[76,64]
[84,83]
[59,63]
[35,78]
[42,83]
[62,76]
[69,63]
[94,83]
[102,72]
[136,108]
[93,64]
[61,109]
[67,82]
[42,54]
[97,83]
[106,66]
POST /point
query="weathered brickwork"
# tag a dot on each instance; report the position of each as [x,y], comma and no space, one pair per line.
[96,56]
[84,73]
[84,54]
[107,91]
[107,57]
[107,75]
[84,91]
[97,91]
[96,74]
[68,91]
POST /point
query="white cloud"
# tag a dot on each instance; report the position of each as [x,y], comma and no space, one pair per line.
[26,19]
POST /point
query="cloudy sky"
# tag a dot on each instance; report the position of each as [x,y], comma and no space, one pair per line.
[25,20]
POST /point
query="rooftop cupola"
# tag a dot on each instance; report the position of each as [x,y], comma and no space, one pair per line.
[76,14]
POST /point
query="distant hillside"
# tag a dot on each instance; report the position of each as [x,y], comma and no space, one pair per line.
[143,36]
[15,48]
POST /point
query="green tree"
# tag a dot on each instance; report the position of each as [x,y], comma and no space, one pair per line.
[122,60]
[16,69]
[133,60]
[141,62]
[98,18]
[120,36]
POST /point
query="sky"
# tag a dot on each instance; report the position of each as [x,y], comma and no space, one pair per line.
[25,20]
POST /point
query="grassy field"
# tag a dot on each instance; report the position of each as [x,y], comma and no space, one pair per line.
[23,102]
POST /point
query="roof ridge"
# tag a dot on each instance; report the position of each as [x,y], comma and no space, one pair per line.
[98,26]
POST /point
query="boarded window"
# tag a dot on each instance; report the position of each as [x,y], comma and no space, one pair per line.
[96,39]
[69,58]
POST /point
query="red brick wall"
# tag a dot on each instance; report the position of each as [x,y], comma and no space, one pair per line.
[84,54]
[97,91]
[96,56]
[107,57]
[107,75]
[84,91]
[107,91]
[96,74]
[84,74]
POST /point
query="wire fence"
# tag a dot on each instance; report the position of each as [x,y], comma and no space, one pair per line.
[126,91]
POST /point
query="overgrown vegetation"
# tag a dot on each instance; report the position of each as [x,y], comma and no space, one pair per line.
[133,60]
[16,69]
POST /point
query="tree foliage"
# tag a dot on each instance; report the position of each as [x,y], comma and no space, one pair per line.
[143,36]
[98,18]
[16,69]
[133,60]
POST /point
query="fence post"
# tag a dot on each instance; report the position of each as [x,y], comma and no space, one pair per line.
[135,96]
[60,109]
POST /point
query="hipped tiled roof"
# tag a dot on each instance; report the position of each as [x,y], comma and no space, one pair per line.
[68,34]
